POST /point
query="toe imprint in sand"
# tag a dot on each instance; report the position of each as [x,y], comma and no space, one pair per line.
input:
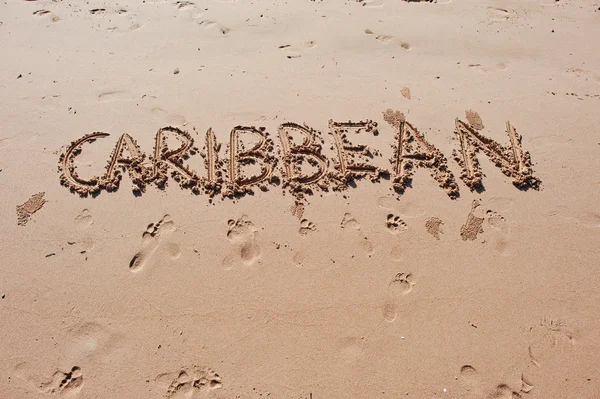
[188,382]
[394,224]
[401,285]
[242,233]
[63,384]
[150,241]
[306,227]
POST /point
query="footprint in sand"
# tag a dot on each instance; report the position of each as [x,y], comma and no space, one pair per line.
[473,224]
[46,14]
[497,14]
[394,224]
[300,258]
[485,69]
[370,3]
[349,222]
[306,227]
[84,219]
[469,375]
[500,227]
[366,246]
[471,378]
[406,209]
[93,343]
[401,285]
[503,391]
[64,384]
[391,39]
[297,50]
[114,95]
[151,239]
[496,221]
[242,233]
[584,74]
[214,25]
[189,382]
[171,119]
[549,338]
[433,226]
[184,5]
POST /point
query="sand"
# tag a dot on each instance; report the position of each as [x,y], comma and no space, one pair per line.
[303,199]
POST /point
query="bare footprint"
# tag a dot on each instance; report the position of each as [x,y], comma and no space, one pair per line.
[306,227]
[242,233]
[113,95]
[469,375]
[63,384]
[473,225]
[171,119]
[150,241]
[497,14]
[584,74]
[371,3]
[183,5]
[496,221]
[46,14]
[84,219]
[396,253]
[391,39]
[296,51]
[549,338]
[349,222]
[401,285]
[214,25]
[366,246]
[188,382]
[434,227]
[394,224]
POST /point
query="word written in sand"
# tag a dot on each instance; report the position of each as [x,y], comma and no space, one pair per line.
[298,162]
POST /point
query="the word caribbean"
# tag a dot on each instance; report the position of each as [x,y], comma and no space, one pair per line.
[297,163]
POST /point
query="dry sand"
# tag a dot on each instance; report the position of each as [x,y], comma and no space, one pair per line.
[436,250]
